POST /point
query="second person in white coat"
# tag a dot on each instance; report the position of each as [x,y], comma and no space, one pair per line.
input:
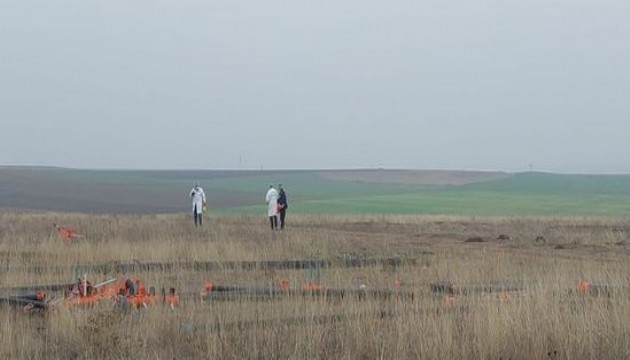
[272,206]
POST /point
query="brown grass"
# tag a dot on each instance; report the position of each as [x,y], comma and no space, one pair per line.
[547,319]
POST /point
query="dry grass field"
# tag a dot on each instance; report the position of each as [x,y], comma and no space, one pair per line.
[545,258]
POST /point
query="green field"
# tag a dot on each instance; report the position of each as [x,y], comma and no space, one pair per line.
[531,194]
[318,192]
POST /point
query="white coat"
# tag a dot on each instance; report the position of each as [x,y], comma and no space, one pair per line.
[272,202]
[198,199]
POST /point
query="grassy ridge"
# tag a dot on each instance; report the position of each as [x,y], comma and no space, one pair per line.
[557,184]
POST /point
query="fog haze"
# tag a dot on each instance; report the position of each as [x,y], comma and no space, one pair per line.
[476,85]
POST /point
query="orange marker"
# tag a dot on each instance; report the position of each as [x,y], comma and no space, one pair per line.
[583,287]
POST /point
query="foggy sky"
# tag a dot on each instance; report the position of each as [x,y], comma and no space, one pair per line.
[205,84]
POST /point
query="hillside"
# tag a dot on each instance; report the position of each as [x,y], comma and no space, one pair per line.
[312,191]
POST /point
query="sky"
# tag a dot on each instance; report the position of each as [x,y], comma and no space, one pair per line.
[497,85]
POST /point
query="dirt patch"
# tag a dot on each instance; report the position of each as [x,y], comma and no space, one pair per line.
[56,190]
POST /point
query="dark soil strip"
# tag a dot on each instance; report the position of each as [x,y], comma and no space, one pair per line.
[32,288]
[22,302]
[258,294]
[449,288]
[347,262]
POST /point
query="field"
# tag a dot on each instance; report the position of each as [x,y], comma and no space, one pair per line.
[536,263]
[332,192]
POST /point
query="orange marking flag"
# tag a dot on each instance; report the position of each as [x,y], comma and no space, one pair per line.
[66,233]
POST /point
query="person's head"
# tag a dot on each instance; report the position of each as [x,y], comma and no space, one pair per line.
[280,186]
[197,184]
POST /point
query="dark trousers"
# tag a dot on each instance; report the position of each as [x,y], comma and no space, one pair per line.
[198,220]
[283,214]
[274,222]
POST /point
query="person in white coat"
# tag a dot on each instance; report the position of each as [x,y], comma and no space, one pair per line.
[272,206]
[198,203]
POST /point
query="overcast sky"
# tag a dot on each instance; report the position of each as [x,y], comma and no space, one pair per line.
[419,84]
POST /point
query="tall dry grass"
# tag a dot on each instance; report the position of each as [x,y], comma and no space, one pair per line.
[546,320]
